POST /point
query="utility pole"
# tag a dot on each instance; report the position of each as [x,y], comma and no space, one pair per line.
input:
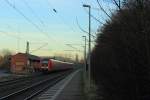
[89,53]
[27,53]
[27,48]
[77,59]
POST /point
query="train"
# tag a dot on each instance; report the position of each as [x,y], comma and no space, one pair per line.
[49,65]
[22,63]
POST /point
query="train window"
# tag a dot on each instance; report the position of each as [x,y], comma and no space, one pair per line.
[44,61]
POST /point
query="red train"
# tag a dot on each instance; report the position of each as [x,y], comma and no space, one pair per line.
[22,63]
[48,65]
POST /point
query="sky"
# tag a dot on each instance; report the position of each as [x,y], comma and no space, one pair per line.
[47,31]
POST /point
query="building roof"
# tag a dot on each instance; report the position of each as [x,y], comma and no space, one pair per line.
[31,57]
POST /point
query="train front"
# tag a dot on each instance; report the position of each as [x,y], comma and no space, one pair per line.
[45,64]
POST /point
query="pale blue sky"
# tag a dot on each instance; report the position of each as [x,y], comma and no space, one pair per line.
[57,29]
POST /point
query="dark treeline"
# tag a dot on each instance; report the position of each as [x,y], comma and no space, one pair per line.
[121,57]
[5,56]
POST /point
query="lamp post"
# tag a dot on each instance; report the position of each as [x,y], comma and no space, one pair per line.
[85,51]
[85,62]
[89,53]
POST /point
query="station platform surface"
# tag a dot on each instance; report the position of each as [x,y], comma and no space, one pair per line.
[70,88]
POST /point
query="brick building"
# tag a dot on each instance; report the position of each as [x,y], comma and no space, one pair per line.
[22,63]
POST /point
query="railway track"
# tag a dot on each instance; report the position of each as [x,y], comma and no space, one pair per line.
[12,81]
[16,84]
[32,87]
[15,80]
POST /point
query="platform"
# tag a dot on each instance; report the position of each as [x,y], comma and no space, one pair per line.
[70,88]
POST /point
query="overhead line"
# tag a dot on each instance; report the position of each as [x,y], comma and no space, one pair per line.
[39,48]
[53,8]
[83,29]
[60,17]
[6,33]
[70,45]
[30,21]
[92,16]
[32,11]
[100,6]
[11,35]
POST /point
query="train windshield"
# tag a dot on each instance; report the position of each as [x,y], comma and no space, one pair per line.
[44,62]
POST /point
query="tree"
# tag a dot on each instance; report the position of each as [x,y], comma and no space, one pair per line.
[121,57]
[5,59]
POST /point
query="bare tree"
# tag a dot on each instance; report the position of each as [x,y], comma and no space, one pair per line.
[5,59]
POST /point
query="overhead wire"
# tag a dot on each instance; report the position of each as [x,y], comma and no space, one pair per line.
[53,8]
[39,48]
[33,12]
[92,16]
[6,33]
[12,35]
[70,45]
[60,17]
[94,37]
[74,50]
[76,21]
[43,44]
[16,37]
[100,6]
[31,22]
[96,19]
[27,19]
[41,20]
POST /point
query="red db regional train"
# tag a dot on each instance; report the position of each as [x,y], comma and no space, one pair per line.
[48,65]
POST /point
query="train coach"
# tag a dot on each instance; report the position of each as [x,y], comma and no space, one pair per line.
[49,65]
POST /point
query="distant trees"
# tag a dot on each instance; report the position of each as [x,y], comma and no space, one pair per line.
[121,57]
[5,59]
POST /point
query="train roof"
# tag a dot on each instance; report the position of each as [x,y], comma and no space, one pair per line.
[61,61]
[56,60]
